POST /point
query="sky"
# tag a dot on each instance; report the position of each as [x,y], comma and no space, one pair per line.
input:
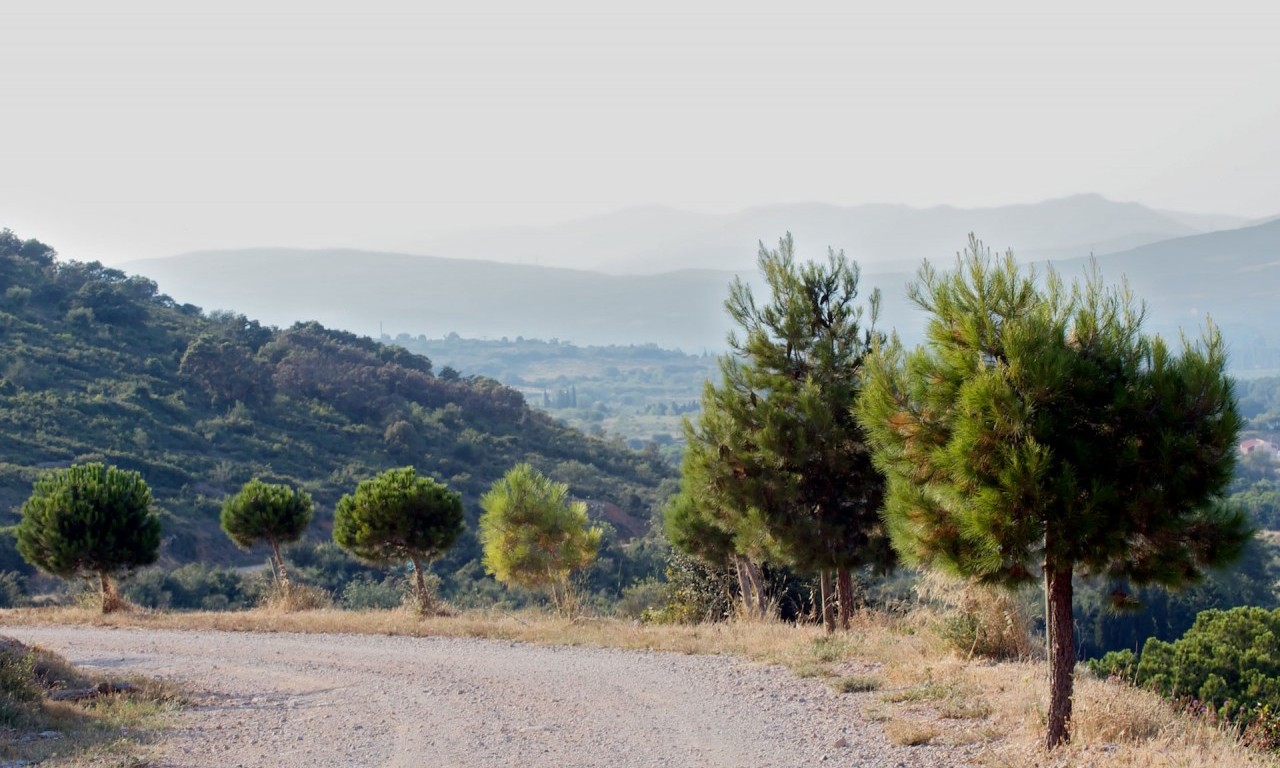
[141,132]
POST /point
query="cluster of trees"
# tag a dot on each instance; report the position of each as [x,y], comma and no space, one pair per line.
[1038,434]
[200,403]
[636,392]
[97,520]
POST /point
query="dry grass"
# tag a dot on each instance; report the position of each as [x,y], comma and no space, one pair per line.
[922,690]
[910,733]
[116,729]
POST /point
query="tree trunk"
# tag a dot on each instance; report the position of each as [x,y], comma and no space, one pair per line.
[744,585]
[844,590]
[279,563]
[425,604]
[828,607]
[110,598]
[755,577]
[1062,657]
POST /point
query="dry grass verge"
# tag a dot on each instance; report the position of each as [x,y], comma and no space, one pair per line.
[899,672]
[118,728]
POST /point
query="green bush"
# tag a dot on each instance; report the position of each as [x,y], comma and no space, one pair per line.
[19,689]
[642,597]
[1118,664]
[13,592]
[193,587]
[363,593]
[1228,662]
[696,592]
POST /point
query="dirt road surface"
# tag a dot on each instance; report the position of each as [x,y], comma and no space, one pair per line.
[315,701]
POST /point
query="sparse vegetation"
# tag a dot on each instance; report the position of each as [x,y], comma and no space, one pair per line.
[110,722]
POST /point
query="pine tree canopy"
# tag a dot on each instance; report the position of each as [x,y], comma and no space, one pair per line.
[89,519]
[1039,427]
[398,516]
[777,458]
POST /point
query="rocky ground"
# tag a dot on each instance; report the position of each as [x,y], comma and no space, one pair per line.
[316,701]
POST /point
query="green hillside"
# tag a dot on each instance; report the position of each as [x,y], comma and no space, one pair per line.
[96,365]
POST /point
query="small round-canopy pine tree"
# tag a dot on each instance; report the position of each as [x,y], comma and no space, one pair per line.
[533,536]
[271,512]
[398,516]
[89,519]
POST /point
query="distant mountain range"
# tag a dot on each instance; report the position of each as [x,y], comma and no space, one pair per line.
[1180,271]
[881,237]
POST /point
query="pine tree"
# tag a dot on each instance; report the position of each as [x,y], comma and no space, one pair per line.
[534,536]
[1039,430]
[703,520]
[89,519]
[397,517]
[268,512]
[798,458]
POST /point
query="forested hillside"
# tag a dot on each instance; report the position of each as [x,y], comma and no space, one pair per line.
[98,366]
[640,393]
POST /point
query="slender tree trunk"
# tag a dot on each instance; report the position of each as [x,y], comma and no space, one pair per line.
[279,563]
[844,590]
[1062,657]
[828,607]
[1048,624]
[755,577]
[425,604]
[744,585]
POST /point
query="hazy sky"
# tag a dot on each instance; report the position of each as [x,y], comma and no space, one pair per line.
[143,132]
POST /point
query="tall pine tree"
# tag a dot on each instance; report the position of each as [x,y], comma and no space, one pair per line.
[796,459]
[1040,432]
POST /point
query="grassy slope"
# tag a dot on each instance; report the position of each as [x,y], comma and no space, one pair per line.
[92,369]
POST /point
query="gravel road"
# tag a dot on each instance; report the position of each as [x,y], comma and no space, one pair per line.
[316,701]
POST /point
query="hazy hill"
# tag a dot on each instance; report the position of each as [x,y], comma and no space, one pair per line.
[98,365]
[881,237]
[1230,274]
[373,293]
[1233,276]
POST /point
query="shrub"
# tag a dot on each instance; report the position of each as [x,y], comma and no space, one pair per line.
[1228,660]
[980,620]
[18,686]
[641,598]
[696,592]
[364,594]
[1118,664]
[13,593]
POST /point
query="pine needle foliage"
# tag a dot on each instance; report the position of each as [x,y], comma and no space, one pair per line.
[398,516]
[778,458]
[89,520]
[1040,431]
[534,536]
[273,513]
